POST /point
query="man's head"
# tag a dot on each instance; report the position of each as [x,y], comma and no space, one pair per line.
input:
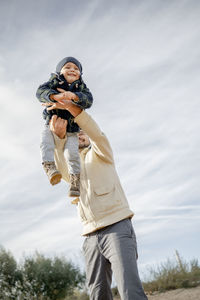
[58,126]
[70,68]
[84,141]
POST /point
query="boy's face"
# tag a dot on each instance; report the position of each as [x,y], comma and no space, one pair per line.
[71,72]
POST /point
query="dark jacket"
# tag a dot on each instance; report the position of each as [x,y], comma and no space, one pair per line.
[78,87]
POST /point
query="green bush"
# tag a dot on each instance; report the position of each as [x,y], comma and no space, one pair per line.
[8,267]
[78,295]
[173,274]
[37,277]
[52,278]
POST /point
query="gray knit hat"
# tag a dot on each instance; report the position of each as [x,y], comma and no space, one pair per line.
[66,60]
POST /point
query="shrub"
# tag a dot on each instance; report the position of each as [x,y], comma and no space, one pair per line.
[37,278]
[53,278]
[172,275]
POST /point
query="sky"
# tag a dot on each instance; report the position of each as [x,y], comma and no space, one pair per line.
[141,61]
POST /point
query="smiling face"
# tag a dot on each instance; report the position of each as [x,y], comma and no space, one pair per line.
[71,72]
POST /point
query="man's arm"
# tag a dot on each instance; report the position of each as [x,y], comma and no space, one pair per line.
[100,143]
[65,104]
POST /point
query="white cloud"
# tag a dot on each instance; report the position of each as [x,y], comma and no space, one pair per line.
[144,76]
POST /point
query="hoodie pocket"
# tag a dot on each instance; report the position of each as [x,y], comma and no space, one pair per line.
[106,199]
[103,190]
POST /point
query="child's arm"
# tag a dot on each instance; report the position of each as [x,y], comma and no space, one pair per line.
[85,98]
[46,92]
[63,95]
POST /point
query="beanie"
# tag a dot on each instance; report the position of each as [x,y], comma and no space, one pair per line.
[66,60]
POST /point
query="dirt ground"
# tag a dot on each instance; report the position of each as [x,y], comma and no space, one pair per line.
[179,294]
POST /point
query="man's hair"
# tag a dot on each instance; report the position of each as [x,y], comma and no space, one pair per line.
[81,131]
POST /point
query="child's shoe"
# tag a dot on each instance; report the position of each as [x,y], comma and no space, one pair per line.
[53,174]
[75,201]
[74,189]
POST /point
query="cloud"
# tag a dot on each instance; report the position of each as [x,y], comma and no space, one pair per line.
[140,61]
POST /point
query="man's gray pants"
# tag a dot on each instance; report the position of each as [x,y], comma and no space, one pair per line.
[113,249]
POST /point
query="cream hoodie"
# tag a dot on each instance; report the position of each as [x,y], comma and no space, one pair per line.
[102,201]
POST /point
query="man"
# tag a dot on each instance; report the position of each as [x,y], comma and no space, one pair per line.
[110,243]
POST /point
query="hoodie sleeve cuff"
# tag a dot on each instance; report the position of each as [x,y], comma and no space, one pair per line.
[82,118]
[59,143]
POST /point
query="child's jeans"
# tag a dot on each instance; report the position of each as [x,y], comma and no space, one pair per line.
[71,149]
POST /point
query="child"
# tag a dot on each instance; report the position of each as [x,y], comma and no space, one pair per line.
[67,77]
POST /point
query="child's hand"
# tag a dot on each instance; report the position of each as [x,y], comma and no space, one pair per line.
[58,97]
[64,95]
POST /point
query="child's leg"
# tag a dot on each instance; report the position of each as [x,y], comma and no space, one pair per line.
[71,153]
[47,147]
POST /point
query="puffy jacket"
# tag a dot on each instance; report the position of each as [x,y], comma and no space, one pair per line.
[102,201]
[78,87]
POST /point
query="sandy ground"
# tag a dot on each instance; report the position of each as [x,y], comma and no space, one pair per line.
[179,294]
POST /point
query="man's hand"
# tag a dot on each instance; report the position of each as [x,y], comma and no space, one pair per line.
[62,104]
[58,126]
[74,109]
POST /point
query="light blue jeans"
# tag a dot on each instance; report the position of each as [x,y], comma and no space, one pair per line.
[71,150]
[113,249]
